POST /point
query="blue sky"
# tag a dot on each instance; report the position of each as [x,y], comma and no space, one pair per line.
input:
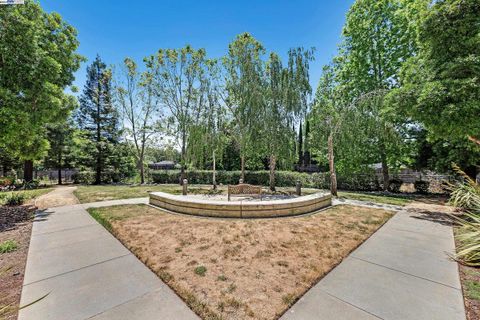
[121,28]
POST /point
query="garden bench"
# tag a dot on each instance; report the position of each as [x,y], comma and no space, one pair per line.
[244,189]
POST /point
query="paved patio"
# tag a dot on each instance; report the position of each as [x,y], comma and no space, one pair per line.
[400,272]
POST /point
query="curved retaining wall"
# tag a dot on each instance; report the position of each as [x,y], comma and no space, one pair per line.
[241,209]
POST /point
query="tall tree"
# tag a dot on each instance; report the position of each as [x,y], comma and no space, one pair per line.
[285,101]
[440,86]
[244,87]
[140,109]
[97,116]
[178,76]
[327,115]
[37,61]
[62,147]
[378,38]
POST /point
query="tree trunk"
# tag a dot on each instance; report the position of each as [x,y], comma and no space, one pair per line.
[182,170]
[214,177]
[242,157]
[331,163]
[59,175]
[142,171]
[273,163]
[28,171]
[98,165]
[60,168]
[386,178]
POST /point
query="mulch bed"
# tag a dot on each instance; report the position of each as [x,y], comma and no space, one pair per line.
[16,225]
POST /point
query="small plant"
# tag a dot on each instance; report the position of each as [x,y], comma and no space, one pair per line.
[200,270]
[395,185]
[469,238]
[8,246]
[288,299]
[421,186]
[222,278]
[15,199]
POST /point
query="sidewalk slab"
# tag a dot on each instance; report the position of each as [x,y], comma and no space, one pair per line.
[402,272]
[46,241]
[153,305]
[48,263]
[393,295]
[87,273]
[88,291]
[49,221]
[423,259]
[327,308]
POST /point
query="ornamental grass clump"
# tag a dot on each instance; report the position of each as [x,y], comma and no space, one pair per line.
[466,195]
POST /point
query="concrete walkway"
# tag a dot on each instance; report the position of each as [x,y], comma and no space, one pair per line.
[89,274]
[401,272]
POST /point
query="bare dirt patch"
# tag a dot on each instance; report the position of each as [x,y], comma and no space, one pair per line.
[60,196]
[241,269]
[17,229]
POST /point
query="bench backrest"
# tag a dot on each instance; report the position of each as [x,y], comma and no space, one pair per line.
[243,189]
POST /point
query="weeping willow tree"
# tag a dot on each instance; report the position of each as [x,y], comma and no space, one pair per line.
[207,135]
[377,39]
[285,101]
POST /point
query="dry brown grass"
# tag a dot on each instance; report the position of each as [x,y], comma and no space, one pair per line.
[242,269]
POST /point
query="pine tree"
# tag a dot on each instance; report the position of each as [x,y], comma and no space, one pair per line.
[98,117]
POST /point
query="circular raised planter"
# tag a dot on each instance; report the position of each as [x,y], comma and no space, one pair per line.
[241,208]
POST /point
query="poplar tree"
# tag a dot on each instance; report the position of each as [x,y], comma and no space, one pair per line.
[178,78]
[244,87]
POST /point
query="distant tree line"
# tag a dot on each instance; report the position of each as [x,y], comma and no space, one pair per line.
[403,90]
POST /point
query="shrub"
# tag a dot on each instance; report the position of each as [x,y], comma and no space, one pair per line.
[466,195]
[5,181]
[395,185]
[8,246]
[362,182]
[84,177]
[14,199]
[421,186]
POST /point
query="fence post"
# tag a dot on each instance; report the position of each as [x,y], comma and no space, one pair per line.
[299,188]
[184,187]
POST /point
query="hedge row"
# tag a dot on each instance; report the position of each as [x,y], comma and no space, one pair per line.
[282,179]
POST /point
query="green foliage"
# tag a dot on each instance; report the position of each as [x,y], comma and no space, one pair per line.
[140,107]
[8,246]
[84,177]
[363,182]
[440,85]
[99,120]
[100,218]
[200,270]
[14,198]
[466,195]
[39,58]
[468,236]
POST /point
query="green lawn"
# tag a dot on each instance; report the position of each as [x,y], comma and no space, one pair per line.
[29,194]
[86,194]
[399,200]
